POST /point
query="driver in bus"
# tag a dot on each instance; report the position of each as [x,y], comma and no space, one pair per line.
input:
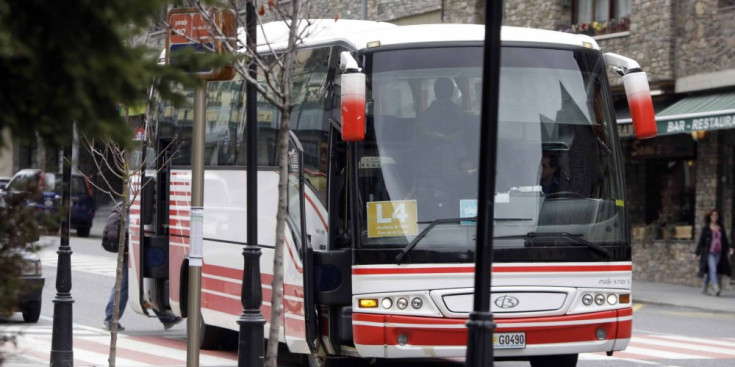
[444,163]
[549,173]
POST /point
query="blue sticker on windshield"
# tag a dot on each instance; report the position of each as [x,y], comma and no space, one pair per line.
[468,209]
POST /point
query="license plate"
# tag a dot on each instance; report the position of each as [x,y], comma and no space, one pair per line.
[509,340]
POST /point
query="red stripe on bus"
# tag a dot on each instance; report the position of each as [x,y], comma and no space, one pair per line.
[229,305]
[446,333]
[496,269]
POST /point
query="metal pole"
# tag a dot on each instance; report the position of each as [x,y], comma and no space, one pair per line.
[197,227]
[62,353]
[480,324]
[251,351]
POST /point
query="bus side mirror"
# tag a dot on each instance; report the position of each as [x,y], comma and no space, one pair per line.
[353,99]
[638,93]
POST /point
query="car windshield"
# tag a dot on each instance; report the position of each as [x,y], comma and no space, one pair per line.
[556,167]
[25,181]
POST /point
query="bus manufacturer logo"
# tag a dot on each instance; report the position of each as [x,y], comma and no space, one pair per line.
[506,302]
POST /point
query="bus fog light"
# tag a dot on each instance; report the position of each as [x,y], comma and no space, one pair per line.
[587,299]
[612,299]
[402,339]
[368,303]
[417,303]
[386,302]
[601,334]
[402,303]
[600,299]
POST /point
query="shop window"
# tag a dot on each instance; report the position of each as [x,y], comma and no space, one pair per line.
[597,17]
[670,197]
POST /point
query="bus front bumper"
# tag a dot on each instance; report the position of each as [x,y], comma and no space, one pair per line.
[391,336]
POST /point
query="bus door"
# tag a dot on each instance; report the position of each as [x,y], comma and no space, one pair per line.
[153,270]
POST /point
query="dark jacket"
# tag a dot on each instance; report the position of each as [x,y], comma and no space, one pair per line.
[705,240]
[111,232]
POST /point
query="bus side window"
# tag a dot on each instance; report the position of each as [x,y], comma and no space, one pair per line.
[309,122]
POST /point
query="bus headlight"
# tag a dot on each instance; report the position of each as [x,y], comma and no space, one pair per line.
[599,299]
[587,299]
[612,299]
[417,303]
[386,302]
[402,303]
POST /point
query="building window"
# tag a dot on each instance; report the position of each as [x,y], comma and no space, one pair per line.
[595,17]
[726,4]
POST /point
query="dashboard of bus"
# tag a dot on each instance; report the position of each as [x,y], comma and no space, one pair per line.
[559,193]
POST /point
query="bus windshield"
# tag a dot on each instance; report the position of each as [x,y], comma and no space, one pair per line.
[557,171]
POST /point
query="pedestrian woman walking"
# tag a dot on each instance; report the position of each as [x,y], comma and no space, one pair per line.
[713,250]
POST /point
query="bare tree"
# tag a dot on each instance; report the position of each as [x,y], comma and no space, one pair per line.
[113,161]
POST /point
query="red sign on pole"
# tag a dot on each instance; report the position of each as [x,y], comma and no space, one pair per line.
[180,28]
[190,29]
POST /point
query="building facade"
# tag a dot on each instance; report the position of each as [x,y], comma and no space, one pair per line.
[688,50]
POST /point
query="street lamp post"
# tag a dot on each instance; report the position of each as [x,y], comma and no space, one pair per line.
[62,353]
[480,324]
[250,351]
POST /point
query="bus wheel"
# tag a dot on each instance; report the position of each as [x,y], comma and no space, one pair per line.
[214,337]
[563,360]
[324,361]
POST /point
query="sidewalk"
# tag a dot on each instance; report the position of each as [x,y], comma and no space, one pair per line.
[683,296]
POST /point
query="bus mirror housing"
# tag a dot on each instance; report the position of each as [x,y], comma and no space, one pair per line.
[353,99]
[637,92]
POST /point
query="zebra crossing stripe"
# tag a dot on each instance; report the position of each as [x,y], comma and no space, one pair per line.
[662,346]
[100,265]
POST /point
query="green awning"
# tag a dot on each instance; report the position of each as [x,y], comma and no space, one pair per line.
[698,113]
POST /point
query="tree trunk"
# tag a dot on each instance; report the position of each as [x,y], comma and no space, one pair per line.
[283,164]
[120,259]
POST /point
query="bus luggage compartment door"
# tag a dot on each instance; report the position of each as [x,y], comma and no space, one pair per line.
[155,257]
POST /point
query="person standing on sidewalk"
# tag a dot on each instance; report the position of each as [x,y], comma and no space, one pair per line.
[713,250]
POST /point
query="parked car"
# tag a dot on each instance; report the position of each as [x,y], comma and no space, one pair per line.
[30,277]
[4,182]
[31,287]
[44,192]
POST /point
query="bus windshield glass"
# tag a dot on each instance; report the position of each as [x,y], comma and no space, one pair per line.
[557,171]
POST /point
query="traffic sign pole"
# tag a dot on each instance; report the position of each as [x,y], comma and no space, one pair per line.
[190,29]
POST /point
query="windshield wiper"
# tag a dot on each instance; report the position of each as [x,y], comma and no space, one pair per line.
[572,236]
[426,231]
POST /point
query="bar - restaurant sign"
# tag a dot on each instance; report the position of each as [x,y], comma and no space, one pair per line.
[685,124]
[674,125]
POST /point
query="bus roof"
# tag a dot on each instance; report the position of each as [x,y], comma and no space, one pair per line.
[358,34]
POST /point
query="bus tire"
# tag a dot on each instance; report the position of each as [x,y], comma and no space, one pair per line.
[328,361]
[216,338]
[561,360]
